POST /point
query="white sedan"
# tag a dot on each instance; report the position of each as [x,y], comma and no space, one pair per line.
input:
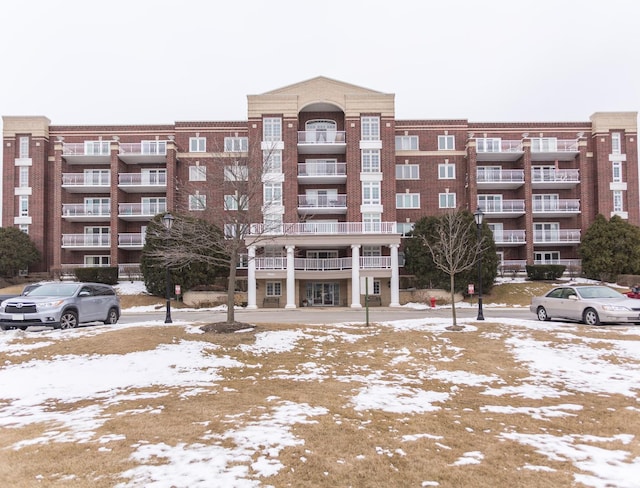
[591,304]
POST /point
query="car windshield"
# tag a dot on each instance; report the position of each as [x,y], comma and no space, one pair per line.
[598,292]
[55,290]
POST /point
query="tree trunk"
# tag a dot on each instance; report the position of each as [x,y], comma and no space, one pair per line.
[453,299]
[231,287]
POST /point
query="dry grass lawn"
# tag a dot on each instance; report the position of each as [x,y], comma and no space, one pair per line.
[347,446]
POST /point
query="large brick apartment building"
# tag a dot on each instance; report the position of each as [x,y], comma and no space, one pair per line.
[348,177]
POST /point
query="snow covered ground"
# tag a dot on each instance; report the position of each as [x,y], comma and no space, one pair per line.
[247,453]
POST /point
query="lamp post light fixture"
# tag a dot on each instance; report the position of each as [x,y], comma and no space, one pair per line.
[167,221]
[478,216]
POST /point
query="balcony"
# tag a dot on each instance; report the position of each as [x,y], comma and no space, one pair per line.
[502,208]
[552,178]
[322,204]
[142,182]
[554,149]
[86,183]
[321,142]
[498,150]
[132,241]
[89,152]
[509,238]
[499,179]
[325,228]
[332,264]
[88,242]
[147,152]
[322,172]
[80,212]
[140,211]
[556,208]
[557,237]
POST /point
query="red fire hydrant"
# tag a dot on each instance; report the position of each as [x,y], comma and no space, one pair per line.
[433,302]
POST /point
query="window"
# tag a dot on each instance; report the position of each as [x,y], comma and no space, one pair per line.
[99,177]
[616,147]
[371,222]
[488,144]
[407,172]
[97,261]
[498,231]
[197,144]
[236,144]
[23,177]
[272,129]
[274,289]
[371,161]
[272,193]
[236,172]
[371,193]
[153,176]
[546,232]
[97,206]
[546,202]
[197,202]
[197,173]
[235,202]
[23,204]
[617,171]
[371,251]
[24,147]
[490,203]
[406,143]
[617,201]
[154,205]
[370,128]
[154,147]
[405,228]
[544,144]
[96,148]
[272,223]
[407,200]
[24,228]
[376,287]
[272,161]
[446,171]
[546,257]
[447,200]
[446,143]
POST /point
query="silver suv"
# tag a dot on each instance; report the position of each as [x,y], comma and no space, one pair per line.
[62,306]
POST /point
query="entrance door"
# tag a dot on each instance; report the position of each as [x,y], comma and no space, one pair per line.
[323,294]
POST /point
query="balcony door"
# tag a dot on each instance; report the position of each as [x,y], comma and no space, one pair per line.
[321,130]
[323,294]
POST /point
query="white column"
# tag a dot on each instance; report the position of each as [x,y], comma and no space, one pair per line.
[355,276]
[291,278]
[251,278]
[395,276]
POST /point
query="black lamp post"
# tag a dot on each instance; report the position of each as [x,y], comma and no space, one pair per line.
[167,221]
[478,216]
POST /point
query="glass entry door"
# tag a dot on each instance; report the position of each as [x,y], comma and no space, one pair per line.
[323,294]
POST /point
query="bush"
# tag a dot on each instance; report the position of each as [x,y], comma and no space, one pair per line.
[106,275]
[538,272]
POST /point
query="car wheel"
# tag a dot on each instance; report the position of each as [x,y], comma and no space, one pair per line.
[69,320]
[112,317]
[542,314]
[590,317]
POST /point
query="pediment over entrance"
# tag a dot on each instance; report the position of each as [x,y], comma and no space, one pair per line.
[324,93]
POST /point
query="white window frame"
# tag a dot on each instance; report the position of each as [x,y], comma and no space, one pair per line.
[272,161]
[197,202]
[23,151]
[446,171]
[23,177]
[618,201]
[272,129]
[273,289]
[407,171]
[97,206]
[93,260]
[446,200]
[236,144]
[617,171]
[197,144]
[405,228]
[407,143]
[197,173]
[236,172]
[498,230]
[272,193]
[616,143]
[97,148]
[488,145]
[546,257]
[153,147]
[236,202]
[544,144]
[376,287]
[446,143]
[23,205]
[370,128]
[490,203]
[154,205]
[407,200]
[371,193]
[24,228]
[370,160]
[372,221]
[99,177]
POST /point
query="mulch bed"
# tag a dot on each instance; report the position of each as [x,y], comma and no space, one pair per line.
[226,327]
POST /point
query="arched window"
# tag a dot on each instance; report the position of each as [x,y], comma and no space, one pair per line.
[321,130]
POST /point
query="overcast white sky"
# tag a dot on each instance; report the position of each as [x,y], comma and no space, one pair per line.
[159,61]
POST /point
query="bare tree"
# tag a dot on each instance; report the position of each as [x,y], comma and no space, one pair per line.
[454,248]
[215,234]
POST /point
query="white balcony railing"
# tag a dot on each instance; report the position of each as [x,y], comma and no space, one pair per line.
[502,206]
[558,235]
[83,210]
[321,137]
[86,240]
[322,201]
[131,239]
[322,168]
[86,179]
[147,148]
[89,148]
[500,175]
[142,179]
[141,209]
[552,175]
[562,205]
[552,145]
[509,236]
[329,264]
[492,145]
[324,228]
